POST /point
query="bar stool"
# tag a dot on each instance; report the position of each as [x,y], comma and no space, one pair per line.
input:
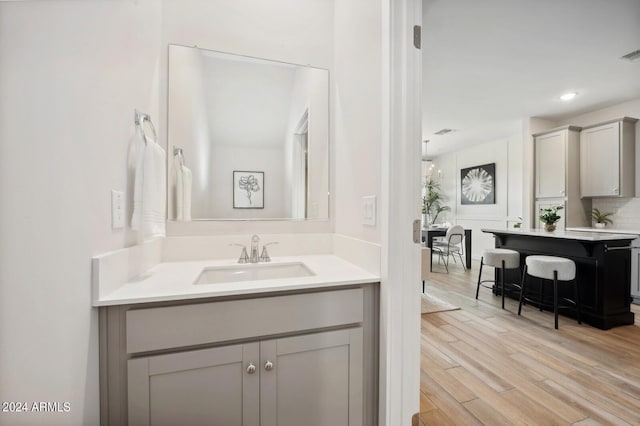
[555,269]
[499,258]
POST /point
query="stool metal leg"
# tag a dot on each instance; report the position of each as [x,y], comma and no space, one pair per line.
[555,297]
[479,277]
[541,294]
[524,276]
[502,283]
[575,286]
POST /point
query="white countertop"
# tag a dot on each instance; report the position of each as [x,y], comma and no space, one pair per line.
[566,235]
[607,230]
[174,280]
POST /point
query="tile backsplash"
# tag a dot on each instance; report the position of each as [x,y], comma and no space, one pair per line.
[626,211]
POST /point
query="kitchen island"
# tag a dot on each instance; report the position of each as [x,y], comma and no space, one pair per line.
[603,268]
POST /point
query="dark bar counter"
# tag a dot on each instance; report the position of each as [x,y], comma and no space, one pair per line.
[603,269]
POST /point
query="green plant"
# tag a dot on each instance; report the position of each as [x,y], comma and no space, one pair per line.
[550,215]
[519,224]
[433,199]
[601,217]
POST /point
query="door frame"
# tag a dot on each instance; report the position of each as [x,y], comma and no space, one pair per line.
[400,174]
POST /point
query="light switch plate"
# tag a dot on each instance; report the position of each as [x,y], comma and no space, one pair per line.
[117,209]
[369,210]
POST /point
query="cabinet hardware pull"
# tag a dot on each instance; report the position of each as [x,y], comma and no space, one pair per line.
[251,368]
[268,366]
[607,248]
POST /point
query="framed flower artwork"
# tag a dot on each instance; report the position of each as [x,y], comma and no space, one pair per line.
[248,190]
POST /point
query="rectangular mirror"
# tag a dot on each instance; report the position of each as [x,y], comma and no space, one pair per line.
[248,138]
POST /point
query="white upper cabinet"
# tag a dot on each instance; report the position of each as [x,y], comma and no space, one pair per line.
[557,175]
[553,171]
[607,159]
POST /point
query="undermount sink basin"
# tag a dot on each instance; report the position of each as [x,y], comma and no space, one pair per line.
[252,272]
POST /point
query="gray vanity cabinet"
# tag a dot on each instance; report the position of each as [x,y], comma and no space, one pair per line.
[281,359]
[201,387]
[313,380]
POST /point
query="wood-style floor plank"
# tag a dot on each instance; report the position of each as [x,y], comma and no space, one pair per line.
[485,365]
[447,404]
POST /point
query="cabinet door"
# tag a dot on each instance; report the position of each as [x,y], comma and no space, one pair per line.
[635,271]
[312,380]
[201,387]
[551,163]
[600,161]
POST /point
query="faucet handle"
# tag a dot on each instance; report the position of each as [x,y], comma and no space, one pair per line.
[264,257]
[244,257]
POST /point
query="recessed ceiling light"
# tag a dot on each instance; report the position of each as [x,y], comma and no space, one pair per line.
[632,56]
[568,96]
[443,132]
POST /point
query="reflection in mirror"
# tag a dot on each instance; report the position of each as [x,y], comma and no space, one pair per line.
[250,137]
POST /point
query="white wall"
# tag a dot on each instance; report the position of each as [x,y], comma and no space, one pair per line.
[357,124]
[626,210]
[71,74]
[282,30]
[508,159]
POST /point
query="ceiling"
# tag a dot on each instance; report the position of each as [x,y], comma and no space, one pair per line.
[489,64]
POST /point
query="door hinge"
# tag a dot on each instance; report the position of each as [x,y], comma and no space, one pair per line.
[417,36]
[417,234]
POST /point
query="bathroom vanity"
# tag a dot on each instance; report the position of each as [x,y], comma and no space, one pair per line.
[193,337]
[289,351]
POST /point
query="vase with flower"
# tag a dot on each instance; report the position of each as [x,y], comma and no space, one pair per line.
[549,216]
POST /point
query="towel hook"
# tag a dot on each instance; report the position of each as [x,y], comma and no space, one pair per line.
[177,152]
[139,119]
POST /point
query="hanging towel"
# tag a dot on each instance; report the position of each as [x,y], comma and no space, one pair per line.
[149,194]
[184,182]
[179,190]
[137,182]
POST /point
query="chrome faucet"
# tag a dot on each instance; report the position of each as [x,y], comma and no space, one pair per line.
[255,256]
[244,257]
[264,257]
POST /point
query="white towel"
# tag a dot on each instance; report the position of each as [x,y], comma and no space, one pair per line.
[179,190]
[184,181]
[136,217]
[149,193]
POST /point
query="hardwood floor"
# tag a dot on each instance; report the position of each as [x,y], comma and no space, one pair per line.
[484,365]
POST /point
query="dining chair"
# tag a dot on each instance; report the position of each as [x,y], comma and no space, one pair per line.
[451,246]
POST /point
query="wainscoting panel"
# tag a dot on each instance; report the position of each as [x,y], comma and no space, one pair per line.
[481,240]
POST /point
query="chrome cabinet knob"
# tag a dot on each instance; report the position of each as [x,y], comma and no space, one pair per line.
[268,366]
[251,368]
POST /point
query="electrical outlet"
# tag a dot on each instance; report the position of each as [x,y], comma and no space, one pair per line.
[369,210]
[117,209]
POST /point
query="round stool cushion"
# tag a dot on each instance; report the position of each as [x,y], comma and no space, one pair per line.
[543,267]
[494,257]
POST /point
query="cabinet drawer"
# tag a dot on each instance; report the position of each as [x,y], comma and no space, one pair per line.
[195,324]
